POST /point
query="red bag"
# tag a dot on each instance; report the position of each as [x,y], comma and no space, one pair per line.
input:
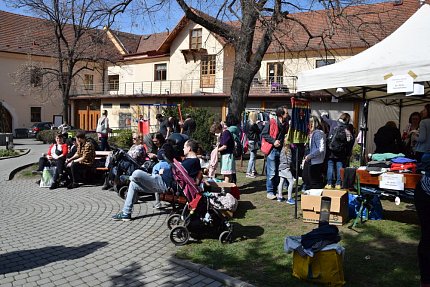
[266,147]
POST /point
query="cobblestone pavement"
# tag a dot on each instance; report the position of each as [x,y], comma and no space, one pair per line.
[66,238]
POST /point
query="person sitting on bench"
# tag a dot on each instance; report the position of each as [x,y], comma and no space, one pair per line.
[82,161]
[56,156]
[157,182]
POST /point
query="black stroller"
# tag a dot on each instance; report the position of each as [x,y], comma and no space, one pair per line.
[121,166]
[199,216]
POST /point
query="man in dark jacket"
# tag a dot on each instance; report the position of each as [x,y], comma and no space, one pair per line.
[388,139]
[277,141]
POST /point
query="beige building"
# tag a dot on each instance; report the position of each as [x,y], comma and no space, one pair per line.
[190,65]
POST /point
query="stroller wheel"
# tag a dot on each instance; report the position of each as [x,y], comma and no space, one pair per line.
[174,220]
[225,237]
[179,235]
[122,192]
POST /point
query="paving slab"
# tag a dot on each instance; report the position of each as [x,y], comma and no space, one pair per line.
[66,237]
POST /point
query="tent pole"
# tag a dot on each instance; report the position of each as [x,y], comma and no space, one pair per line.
[400,112]
[364,129]
[297,181]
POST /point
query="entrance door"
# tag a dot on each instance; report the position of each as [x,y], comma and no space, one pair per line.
[88,119]
[5,120]
[275,73]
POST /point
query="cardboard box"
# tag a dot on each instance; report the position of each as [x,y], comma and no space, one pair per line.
[311,205]
[223,187]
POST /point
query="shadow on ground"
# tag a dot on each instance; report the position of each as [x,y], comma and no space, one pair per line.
[17,261]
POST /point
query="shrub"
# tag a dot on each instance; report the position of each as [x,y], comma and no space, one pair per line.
[8,152]
[204,119]
[47,136]
[121,139]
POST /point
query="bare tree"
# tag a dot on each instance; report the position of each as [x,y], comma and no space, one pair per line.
[73,35]
[261,23]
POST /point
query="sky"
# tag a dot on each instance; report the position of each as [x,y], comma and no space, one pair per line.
[130,22]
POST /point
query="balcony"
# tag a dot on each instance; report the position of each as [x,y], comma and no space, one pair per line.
[259,86]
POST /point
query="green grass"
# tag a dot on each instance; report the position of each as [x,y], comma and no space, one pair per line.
[8,152]
[378,253]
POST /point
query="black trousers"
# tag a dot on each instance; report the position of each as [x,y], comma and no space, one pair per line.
[312,175]
[77,171]
[59,163]
[422,204]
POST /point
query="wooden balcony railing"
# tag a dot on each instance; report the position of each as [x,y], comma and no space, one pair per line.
[259,86]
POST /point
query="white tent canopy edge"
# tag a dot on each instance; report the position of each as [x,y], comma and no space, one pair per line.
[406,49]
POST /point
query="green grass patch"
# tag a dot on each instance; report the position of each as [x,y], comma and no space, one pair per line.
[8,152]
[378,253]
[27,173]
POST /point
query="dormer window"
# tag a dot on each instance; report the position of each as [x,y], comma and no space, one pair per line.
[196,39]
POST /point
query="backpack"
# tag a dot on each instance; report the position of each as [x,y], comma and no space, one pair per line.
[338,141]
[238,147]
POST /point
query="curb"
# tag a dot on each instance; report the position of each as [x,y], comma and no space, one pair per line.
[211,273]
[18,169]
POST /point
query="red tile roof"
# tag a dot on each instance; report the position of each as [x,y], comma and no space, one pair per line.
[30,35]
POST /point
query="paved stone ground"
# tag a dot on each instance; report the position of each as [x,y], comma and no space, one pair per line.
[66,238]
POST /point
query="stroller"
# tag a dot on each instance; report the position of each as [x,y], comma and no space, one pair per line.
[121,166]
[199,215]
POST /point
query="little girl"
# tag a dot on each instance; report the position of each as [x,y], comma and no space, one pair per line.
[285,173]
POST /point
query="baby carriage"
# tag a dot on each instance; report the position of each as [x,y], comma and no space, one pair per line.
[199,216]
[121,166]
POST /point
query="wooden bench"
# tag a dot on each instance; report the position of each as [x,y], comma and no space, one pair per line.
[101,155]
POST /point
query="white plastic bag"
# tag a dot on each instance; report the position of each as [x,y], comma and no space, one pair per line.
[47,176]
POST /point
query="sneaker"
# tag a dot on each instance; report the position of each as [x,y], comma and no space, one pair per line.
[158,205]
[54,185]
[280,199]
[106,186]
[337,186]
[270,196]
[72,186]
[328,186]
[249,175]
[121,216]
[291,201]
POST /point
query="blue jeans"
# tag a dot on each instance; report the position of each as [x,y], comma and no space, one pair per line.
[272,166]
[252,157]
[145,182]
[330,171]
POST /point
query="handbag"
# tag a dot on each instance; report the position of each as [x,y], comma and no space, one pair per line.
[266,147]
[47,176]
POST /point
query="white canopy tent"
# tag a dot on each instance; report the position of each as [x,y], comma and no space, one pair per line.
[405,51]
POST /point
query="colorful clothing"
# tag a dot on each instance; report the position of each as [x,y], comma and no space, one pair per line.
[87,151]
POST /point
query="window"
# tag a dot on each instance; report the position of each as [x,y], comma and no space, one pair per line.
[113,82]
[124,120]
[36,77]
[275,73]
[35,114]
[124,105]
[325,62]
[196,39]
[160,72]
[107,106]
[207,68]
[88,82]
